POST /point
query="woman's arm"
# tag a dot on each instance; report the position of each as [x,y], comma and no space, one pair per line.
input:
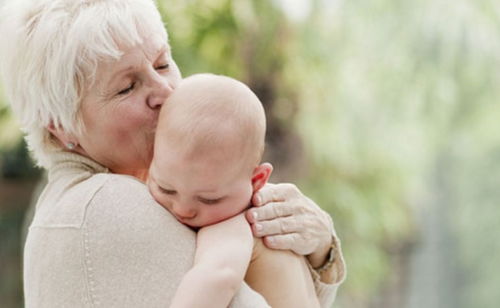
[222,256]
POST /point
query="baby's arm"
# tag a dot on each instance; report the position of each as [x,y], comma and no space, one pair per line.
[282,277]
[223,252]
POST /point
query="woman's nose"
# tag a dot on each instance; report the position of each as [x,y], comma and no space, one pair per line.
[161,89]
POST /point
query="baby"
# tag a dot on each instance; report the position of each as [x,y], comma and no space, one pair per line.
[206,167]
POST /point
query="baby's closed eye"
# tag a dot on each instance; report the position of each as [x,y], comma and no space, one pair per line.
[210,201]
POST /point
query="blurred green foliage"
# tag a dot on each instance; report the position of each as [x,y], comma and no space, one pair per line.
[386,95]
[374,107]
[298,69]
[15,161]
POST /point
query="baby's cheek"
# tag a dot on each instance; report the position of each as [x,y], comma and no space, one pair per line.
[159,198]
[237,208]
[220,213]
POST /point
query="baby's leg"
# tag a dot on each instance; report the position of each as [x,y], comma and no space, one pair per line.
[282,277]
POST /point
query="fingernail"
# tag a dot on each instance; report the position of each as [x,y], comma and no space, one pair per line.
[257,200]
[255,215]
[270,241]
[258,227]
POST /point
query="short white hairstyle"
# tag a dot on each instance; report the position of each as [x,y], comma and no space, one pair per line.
[49,52]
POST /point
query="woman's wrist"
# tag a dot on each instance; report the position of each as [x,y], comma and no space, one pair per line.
[332,270]
[330,259]
[322,255]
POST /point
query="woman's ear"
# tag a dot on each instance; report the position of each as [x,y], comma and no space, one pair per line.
[67,140]
[261,175]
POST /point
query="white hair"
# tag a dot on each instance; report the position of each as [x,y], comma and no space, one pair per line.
[49,52]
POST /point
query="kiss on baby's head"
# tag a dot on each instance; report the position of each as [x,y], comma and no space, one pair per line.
[213,113]
[208,147]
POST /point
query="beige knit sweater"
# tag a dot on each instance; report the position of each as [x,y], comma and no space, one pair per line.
[100,240]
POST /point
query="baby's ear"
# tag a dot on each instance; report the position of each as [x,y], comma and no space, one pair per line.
[261,175]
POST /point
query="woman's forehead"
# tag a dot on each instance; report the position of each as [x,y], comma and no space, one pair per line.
[132,58]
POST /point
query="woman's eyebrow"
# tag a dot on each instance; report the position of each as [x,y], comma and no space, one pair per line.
[114,78]
[123,71]
[165,49]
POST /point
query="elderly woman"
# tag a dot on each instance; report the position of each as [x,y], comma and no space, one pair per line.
[86,79]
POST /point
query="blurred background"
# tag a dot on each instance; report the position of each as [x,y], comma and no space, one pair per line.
[385,112]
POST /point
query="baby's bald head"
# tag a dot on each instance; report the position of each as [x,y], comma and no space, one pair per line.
[209,112]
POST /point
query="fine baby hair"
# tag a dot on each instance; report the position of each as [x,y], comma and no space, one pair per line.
[209,111]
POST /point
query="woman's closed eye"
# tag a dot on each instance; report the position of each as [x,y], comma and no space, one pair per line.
[163,67]
[131,87]
[127,90]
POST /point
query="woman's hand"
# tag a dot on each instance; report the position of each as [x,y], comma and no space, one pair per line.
[286,219]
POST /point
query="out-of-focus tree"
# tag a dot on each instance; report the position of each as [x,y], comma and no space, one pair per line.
[374,107]
[382,93]
[470,150]
[402,106]
[14,158]
[300,70]
[250,41]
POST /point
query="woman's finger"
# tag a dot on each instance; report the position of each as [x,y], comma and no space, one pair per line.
[270,211]
[283,241]
[274,193]
[276,226]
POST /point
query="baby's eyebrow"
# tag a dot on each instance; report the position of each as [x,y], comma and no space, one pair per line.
[152,175]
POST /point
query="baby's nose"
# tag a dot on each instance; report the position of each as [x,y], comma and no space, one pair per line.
[184,211]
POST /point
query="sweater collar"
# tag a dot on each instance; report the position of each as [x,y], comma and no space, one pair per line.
[67,162]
